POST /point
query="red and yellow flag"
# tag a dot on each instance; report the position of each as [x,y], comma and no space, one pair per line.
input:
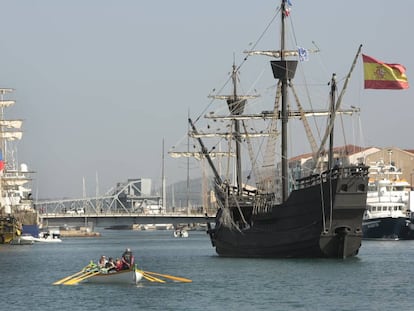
[379,75]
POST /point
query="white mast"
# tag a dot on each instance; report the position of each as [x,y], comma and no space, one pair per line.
[164,196]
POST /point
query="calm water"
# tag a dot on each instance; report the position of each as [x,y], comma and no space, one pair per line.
[380,278]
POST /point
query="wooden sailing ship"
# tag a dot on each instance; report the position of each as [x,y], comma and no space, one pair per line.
[319,215]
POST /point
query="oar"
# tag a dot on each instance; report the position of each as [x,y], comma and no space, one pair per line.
[76,279]
[69,277]
[83,277]
[152,278]
[175,278]
[84,270]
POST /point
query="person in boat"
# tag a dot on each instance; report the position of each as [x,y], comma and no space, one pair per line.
[110,265]
[118,264]
[102,261]
[127,259]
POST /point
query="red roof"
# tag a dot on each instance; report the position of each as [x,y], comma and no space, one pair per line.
[409,150]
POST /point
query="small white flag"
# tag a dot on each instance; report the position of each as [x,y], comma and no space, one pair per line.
[303,54]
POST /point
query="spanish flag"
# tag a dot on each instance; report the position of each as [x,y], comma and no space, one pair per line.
[379,75]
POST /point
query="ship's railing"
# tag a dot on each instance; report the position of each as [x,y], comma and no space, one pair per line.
[336,172]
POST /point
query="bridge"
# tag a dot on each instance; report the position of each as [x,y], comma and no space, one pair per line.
[119,219]
[125,206]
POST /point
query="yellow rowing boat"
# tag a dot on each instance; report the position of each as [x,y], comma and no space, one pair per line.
[92,274]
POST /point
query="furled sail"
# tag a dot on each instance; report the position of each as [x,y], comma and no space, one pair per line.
[11,135]
[11,124]
[6,103]
[199,155]
[277,53]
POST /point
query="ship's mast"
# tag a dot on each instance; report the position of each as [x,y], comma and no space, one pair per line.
[336,108]
[205,153]
[331,135]
[4,103]
[236,104]
[2,92]
[284,70]
[284,112]
[163,185]
[236,107]
[10,130]
[188,168]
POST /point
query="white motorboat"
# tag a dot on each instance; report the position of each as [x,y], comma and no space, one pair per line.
[46,237]
[180,233]
[387,215]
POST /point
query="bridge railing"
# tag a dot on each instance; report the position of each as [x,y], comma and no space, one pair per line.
[107,205]
[120,214]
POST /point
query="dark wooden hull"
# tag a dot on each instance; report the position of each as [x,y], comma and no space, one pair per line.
[321,219]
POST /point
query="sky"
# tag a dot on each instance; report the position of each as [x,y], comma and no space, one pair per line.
[102,85]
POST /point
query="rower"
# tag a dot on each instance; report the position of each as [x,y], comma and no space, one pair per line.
[127,259]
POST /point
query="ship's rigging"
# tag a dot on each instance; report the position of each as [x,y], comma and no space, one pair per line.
[320,215]
[264,164]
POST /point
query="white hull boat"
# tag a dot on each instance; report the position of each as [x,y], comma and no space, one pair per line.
[27,239]
[181,234]
[122,277]
[23,240]
[48,239]
[133,276]
[388,215]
